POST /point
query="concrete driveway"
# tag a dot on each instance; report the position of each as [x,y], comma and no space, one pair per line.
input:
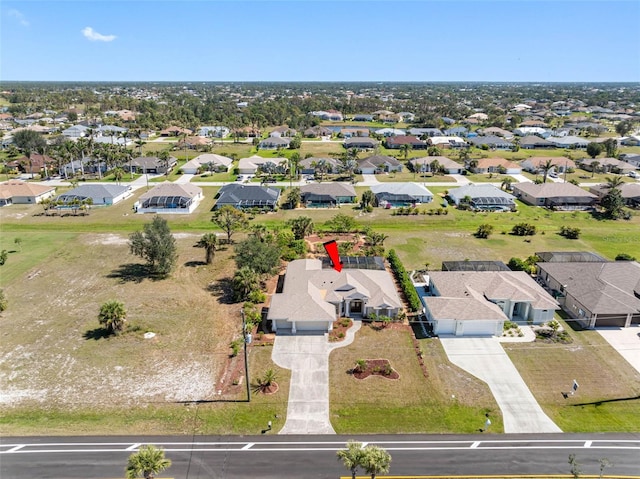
[626,341]
[485,359]
[308,358]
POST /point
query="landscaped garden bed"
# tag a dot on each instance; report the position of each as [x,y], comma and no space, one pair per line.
[374,367]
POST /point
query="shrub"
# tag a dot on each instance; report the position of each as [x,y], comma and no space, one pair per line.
[523,229]
[625,257]
[483,231]
[405,282]
[257,296]
[235,347]
[569,232]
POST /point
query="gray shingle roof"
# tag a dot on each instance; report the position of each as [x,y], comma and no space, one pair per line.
[247,195]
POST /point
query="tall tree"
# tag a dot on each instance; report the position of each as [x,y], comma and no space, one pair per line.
[546,167]
[209,242]
[611,147]
[230,220]
[157,245]
[301,226]
[29,142]
[368,199]
[594,149]
[112,316]
[613,202]
[147,462]
[244,282]
[260,256]
[352,457]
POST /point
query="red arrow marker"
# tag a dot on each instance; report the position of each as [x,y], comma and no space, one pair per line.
[331,247]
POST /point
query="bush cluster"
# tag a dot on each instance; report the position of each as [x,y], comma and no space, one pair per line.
[569,232]
[405,282]
[523,229]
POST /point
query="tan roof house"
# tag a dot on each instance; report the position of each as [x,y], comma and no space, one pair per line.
[559,163]
[496,165]
[559,196]
[21,192]
[467,303]
[313,297]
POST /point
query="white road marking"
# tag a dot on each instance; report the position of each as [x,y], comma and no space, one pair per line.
[475,444]
[16,448]
[588,444]
[131,448]
[248,446]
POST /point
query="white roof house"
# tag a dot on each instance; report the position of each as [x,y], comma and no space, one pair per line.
[312,298]
[447,141]
[217,162]
[249,166]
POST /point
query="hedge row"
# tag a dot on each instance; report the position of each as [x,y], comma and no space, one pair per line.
[405,282]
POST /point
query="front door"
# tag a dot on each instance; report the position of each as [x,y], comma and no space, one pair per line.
[356,306]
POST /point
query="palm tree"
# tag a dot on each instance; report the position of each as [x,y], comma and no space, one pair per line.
[352,456]
[376,460]
[164,156]
[594,166]
[406,149]
[546,167]
[209,242]
[245,280]
[147,462]
[322,167]
[614,182]
[506,183]
[376,239]
[112,316]
[294,163]
[301,226]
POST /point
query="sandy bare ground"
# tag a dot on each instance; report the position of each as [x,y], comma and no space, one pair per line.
[52,351]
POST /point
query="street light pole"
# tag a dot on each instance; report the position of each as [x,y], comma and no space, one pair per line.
[246,360]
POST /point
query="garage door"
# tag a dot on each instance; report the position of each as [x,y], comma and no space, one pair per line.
[444,326]
[611,320]
[283,326]
[479,328]
[312,326]
[635,319]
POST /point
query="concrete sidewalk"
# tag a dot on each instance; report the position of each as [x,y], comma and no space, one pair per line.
[308,358]
[485,359]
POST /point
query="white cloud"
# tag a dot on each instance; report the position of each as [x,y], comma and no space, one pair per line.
[94,36]
[19,16]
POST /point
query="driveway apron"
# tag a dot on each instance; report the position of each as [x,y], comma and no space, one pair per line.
[485,359]
[307,356]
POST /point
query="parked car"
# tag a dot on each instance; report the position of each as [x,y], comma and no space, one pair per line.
[240,178]
[634,174]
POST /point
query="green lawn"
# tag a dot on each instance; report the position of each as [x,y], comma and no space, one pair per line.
[412,177]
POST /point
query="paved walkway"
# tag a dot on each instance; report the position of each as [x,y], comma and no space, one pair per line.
[626,341]
[308,358]
[485,359]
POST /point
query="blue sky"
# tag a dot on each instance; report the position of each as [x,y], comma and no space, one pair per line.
[320,40]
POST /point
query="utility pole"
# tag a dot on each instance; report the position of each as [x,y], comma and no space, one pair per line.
[246,360]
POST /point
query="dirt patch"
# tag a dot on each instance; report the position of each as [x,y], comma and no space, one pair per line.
[375,367]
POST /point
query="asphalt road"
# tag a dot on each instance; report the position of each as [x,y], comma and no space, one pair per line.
[315,456]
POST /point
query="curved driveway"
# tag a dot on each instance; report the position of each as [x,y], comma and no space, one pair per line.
[308,358]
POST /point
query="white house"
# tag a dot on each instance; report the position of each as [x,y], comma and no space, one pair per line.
[214,131]
[389,195]
[212,161]
[249,166]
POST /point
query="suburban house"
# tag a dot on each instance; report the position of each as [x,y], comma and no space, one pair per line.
[313,297]
[606,165]
[596,293]
[447,142]
[316,131]
[377,164]
[250,166]
[217,131]
[329,115]
[633,140]
[207,161]
[496,165]
[21,192]
[169,198]
[425,132]
[351,132]
[532,142]
[273,143]
[496,131]
[99,194]
[75,131]
[319,195]
[311,165]
[472,303]
[630,192]
[424,164]
[35,165]
[175,131]
[531,131]
[151,164]
[557,196]
[483,197]
[193,142]
[283,131]
[388,132]
[491,141]
[361,143]
[248,196]
[396,142]
[456,131]
[559,163]
[389,195]
[632,159]
[362,117]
